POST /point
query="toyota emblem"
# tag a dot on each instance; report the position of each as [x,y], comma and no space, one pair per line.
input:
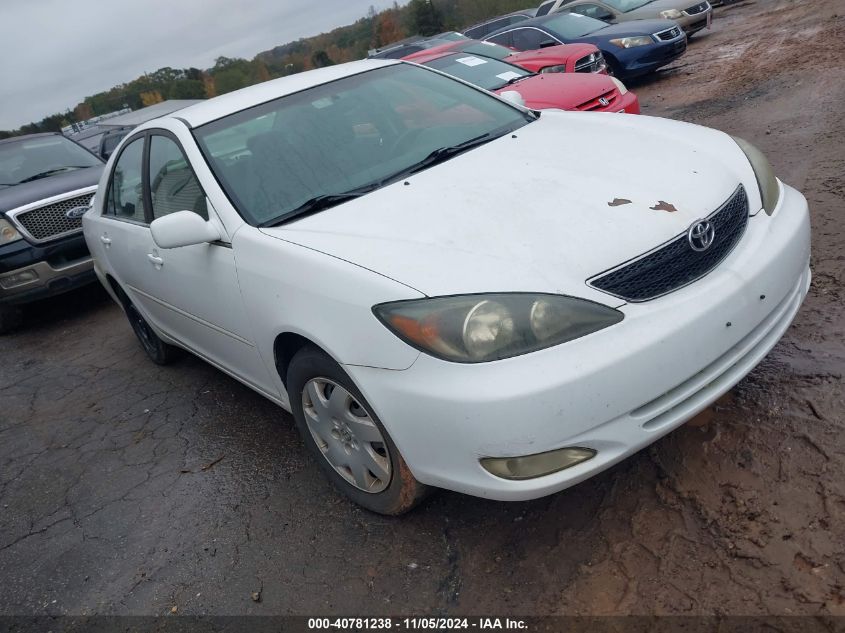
[701,235]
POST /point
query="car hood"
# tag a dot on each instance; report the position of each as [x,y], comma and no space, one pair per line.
[55,185]
[550,56]
[541,210]
[561,90]
[653,9]
[634,27]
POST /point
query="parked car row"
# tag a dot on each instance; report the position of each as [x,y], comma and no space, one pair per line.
[623,38]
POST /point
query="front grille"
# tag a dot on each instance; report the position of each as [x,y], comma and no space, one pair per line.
[595,104]
[592,63]
[698,8]
[675,264]
[50,221]
[669,34]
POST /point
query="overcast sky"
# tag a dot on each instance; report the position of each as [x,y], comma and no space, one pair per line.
[54,53]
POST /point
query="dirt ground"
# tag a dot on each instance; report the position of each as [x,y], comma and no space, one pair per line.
[127,488]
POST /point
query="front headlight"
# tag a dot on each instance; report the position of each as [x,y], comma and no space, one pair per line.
[766,179]
[622,88]
[671,14]
[560,68]
[481,328]
[8,233]
[631,42]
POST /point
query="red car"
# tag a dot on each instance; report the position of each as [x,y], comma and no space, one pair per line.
[563,58]
[576,91]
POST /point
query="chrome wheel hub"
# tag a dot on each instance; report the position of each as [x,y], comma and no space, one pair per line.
[346,435]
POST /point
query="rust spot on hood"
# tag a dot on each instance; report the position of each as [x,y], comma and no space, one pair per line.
[617,202]
[662,205]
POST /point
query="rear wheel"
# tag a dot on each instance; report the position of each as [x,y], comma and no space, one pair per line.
[11,318]
[158,351]
[347,439]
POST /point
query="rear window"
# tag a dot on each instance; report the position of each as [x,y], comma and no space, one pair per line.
[490,74]
[488,49]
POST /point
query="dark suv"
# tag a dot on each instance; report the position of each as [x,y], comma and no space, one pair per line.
[46,184]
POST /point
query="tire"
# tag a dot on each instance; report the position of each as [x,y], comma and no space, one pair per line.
[157,350]
[11,318]
[368,467]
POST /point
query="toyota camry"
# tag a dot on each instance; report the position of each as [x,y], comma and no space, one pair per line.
[448,290]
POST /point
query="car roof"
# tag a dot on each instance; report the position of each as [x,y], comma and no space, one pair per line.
[213,109]
[23,137]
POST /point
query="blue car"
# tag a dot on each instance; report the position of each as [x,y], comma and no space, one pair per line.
[631,48]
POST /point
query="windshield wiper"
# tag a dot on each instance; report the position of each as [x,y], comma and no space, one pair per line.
[319,203]
[438,156]
[50,172]
[328,200]
[514,80]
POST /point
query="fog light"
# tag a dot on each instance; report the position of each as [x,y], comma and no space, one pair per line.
[18,279]
[530,466]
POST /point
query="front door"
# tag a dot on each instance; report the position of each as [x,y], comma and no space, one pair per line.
[190,293]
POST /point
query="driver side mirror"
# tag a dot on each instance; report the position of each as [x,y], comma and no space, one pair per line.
[547,43]
[183,228]
[604,16]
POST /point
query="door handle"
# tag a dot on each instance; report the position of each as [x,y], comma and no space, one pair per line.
[157,261]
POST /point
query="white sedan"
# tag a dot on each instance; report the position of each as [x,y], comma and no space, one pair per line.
[444,288]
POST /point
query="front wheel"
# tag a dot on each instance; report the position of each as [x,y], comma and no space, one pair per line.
[347,439]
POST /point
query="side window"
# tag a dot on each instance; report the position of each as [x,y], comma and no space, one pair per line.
[528,39]
[545,8]
[126,198]
[502,39]
[173,186]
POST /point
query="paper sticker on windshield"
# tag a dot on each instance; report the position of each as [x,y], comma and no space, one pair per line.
[508,75]
[471,61]
[322,103]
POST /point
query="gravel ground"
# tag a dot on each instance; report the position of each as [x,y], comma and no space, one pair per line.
[127,488]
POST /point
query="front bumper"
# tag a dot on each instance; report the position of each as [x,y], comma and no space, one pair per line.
[638,61]
[29,273]
[694,23]
[629,104]
[615,391]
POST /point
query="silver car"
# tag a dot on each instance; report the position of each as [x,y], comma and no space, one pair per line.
[690,15]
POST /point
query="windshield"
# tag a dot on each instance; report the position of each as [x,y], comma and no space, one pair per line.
[352,134]
[627,5]
[573,25]
[33,158]
[490,74]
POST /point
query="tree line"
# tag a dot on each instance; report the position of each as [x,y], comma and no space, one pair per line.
[343,44]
